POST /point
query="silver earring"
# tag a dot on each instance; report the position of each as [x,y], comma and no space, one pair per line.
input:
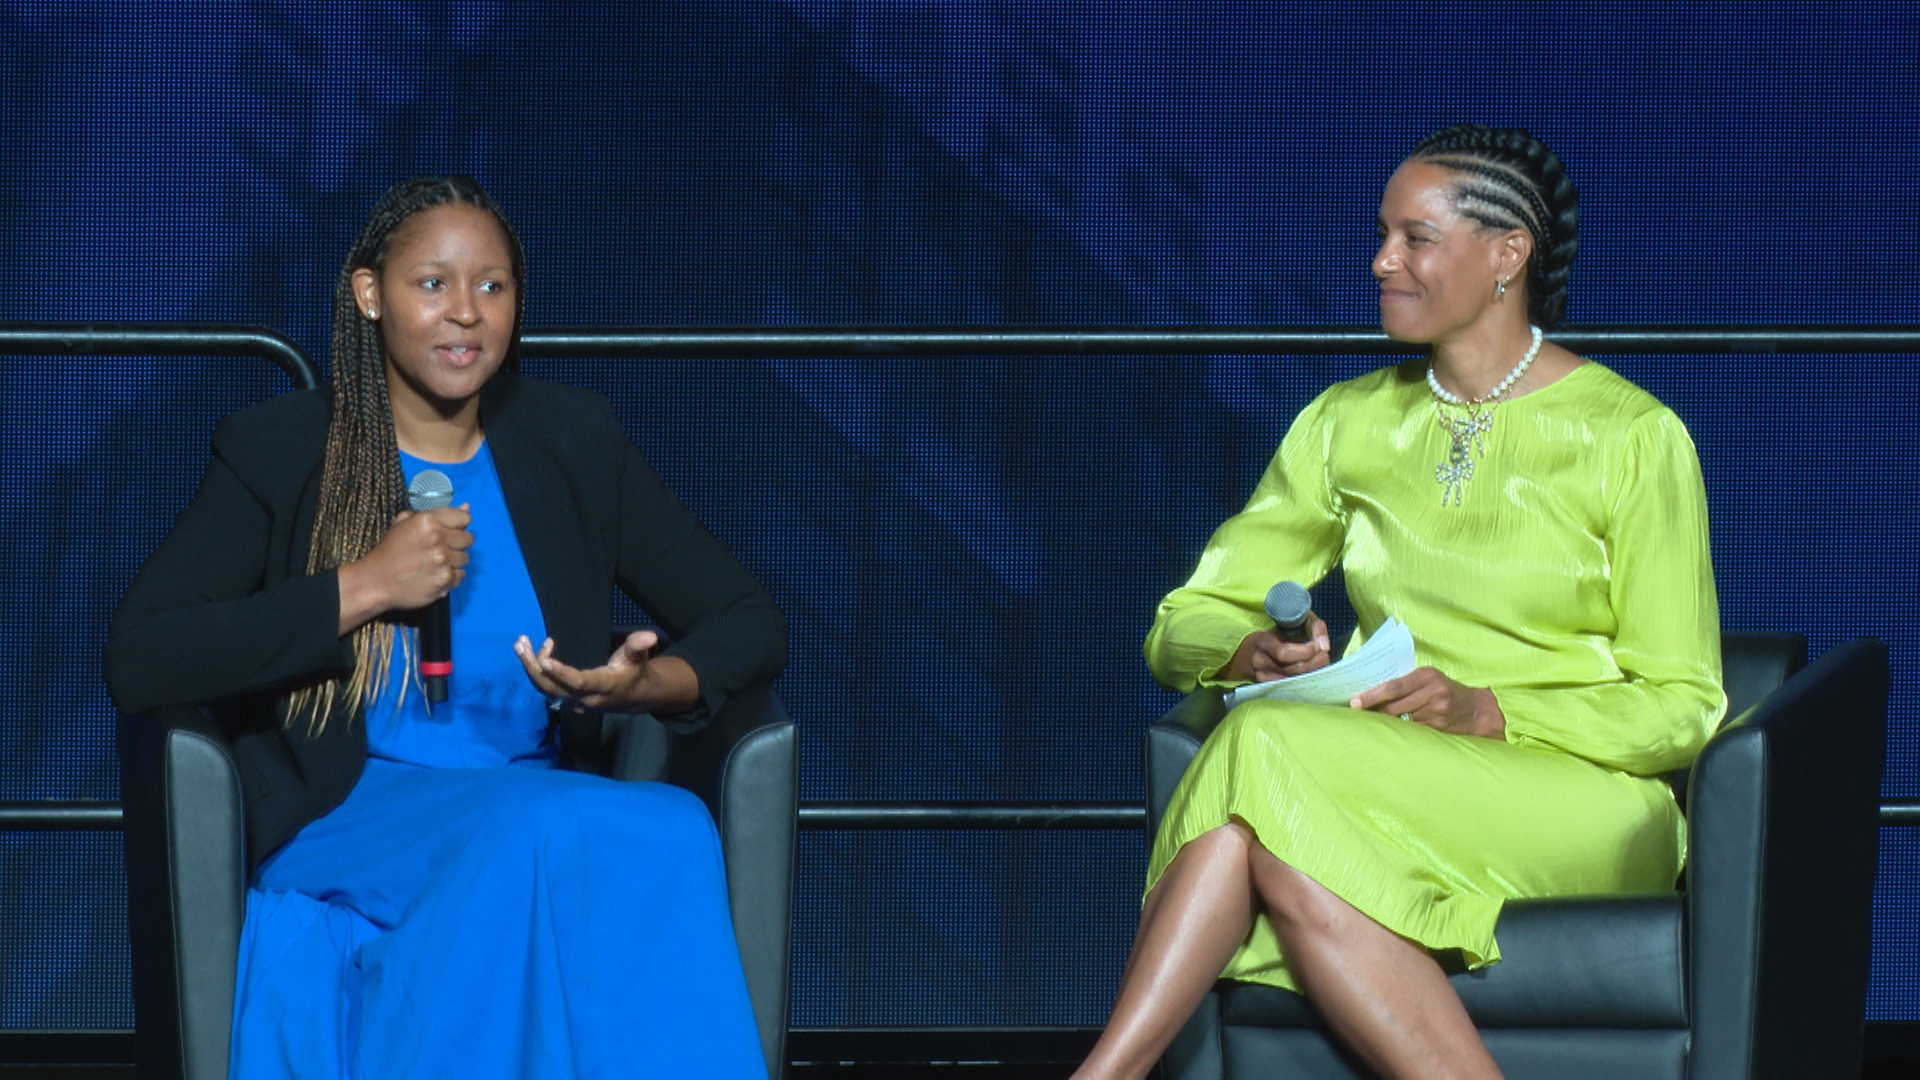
[1499,292]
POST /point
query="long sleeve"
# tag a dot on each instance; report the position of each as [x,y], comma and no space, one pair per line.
[722,622]
[201,622]
[1290,529]
[1668,699]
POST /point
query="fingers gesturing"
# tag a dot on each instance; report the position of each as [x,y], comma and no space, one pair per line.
[613,686]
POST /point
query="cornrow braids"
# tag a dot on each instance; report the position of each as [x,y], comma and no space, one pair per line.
[1510,180]
[362,487]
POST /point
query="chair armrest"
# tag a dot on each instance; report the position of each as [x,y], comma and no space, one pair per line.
[746,765]
[705,761]
[1171,744]
[1785,834]
[185,852]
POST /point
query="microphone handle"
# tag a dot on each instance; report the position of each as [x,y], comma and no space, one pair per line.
[1301,631]
[436,649]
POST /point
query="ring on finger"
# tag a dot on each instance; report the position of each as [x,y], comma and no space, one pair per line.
[1406,716]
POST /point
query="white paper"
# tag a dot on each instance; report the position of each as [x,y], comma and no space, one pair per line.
[1388,654]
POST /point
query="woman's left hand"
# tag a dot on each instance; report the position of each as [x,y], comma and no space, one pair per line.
[1425,696]
[630,681]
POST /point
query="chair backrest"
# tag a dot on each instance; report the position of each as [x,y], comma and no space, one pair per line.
[1754,664]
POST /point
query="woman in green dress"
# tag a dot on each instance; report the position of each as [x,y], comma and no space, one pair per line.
[1539,524]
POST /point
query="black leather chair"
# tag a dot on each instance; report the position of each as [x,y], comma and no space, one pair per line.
[1757,969]
[186,864]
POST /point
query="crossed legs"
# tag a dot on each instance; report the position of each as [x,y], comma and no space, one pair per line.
[1380,993]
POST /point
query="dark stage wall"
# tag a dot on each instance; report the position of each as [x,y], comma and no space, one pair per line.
[970,550]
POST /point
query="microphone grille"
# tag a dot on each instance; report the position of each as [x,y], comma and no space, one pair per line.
[1288,604]
[430,490]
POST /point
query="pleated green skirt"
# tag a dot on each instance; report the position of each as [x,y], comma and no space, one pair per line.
[1427,833]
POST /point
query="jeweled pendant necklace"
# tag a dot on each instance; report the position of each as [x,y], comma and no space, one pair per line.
[1468,433]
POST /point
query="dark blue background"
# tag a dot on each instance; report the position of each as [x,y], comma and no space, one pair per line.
[970,549]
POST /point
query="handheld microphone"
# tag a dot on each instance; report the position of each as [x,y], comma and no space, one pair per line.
[1291,609]
[431,490]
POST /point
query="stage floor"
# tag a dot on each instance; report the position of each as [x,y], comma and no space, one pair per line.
[1893,1053]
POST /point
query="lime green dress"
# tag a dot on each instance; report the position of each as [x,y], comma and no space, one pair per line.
[1572,578]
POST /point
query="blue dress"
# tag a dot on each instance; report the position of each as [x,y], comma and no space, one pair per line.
[473,911]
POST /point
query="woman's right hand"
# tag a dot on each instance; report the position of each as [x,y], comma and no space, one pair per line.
[1264,655]
[421,559]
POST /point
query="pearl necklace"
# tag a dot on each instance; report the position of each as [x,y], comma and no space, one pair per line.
[1468,434]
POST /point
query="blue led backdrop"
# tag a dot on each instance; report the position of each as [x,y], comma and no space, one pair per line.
[970,550]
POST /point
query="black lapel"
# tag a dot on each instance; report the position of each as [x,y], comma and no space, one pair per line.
[539,500]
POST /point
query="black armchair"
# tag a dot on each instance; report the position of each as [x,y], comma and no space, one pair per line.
[1759,968]
[186,864]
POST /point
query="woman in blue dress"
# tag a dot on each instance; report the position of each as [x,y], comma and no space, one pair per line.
[430,895]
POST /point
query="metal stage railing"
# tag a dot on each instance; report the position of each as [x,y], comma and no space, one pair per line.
[762,343]
[159,339]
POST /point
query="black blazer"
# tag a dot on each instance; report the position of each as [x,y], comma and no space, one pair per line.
[225,615]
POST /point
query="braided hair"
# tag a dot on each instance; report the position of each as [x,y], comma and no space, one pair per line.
[1510,180]
[362,487]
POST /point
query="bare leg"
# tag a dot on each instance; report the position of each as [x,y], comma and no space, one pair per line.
[1196,916]
[1384,995]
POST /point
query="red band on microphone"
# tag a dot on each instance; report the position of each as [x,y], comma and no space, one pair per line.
[430,668]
